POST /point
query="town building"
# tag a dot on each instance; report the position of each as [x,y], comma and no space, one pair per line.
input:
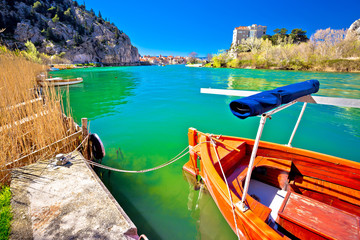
[253,31]
[162,60]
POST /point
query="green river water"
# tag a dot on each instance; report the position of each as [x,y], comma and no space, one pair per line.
[142,115]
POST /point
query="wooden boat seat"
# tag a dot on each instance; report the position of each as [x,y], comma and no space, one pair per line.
[335,173]
[344,193]
[273,171]
[281,164]
[307,218]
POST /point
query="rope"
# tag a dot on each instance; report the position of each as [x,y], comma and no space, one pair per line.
[227,185]
[143,236]
[174,159]
[177,157]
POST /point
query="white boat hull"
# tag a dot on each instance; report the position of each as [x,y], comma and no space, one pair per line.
[60,82]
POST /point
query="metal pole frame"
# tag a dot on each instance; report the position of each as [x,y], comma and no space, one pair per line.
[297,124]
[242,205]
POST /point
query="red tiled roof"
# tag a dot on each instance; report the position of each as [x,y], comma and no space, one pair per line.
[241,27]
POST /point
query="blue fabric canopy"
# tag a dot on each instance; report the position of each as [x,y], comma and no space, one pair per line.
[262,102]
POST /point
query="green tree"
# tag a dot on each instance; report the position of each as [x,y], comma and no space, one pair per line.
[31,53]
[100,15]
[68,16]
[117,33]
[55,19]
[283,31]
[266,36]
[279,36]
[37,5]
[67,13]
[92,12]
[298,35]
[52,10]
[77,39]
[60,13]
[91,30]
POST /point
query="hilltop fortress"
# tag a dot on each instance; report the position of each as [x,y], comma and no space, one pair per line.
[253,31]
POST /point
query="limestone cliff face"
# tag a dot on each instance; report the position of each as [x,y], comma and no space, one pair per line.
[63,27]
[355,28]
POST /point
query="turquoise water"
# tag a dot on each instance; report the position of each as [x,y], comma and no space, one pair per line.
[142,115]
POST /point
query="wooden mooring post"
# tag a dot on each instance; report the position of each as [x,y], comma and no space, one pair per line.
[85,133]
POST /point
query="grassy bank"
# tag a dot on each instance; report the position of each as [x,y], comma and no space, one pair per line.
[5,213]
[327,50]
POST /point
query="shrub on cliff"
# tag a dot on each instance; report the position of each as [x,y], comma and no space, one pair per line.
[55,19]
[31,53]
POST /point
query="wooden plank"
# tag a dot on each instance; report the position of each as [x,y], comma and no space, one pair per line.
[328,168]
[85,133]
[321,220]
[281,164]
[331,189]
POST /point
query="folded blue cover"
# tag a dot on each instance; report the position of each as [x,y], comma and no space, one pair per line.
[265,101]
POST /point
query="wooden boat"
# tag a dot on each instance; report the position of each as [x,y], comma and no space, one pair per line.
[58,81]
[194,65]
[271,191]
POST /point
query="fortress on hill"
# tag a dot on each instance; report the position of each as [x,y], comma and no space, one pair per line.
[253,31]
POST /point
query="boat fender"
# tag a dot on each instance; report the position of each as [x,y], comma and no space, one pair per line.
[97,147]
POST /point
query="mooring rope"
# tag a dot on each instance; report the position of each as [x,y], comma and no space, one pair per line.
[174,159]
[177,157]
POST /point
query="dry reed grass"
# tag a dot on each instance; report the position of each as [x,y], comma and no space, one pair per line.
[29,121]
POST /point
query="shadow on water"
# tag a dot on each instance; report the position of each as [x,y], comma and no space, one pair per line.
[131,210]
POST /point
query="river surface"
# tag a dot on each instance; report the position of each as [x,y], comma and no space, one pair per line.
[142,115]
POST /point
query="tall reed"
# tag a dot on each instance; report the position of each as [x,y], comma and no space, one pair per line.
[30,119]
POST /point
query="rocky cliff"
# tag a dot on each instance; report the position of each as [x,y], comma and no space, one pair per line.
[67,29]
[355,28]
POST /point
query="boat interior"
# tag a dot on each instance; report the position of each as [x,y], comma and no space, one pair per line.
[294,193]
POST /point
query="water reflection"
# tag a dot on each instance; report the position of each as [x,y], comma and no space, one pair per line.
[250,83]
[332,85]
[203,210]
[104,90]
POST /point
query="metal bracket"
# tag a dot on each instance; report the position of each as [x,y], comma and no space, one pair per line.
[242,206]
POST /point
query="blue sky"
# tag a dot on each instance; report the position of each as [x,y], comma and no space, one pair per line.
[180,27]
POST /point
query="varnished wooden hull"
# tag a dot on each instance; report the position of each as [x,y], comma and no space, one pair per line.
[329,183]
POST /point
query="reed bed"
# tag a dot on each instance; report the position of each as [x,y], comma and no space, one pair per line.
[31,118]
